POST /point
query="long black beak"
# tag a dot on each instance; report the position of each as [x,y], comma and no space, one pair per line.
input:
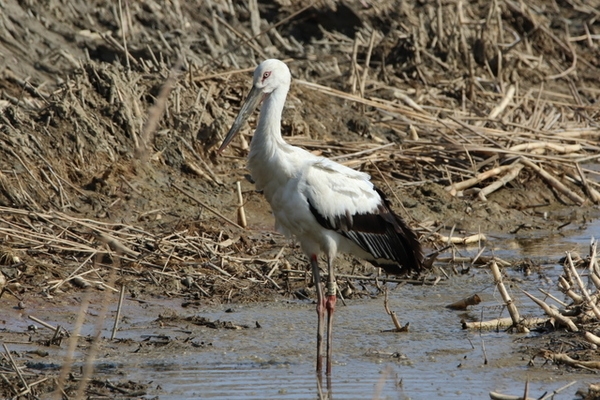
[248,107]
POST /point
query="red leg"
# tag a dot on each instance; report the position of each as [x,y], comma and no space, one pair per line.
[321,306]
[330,306]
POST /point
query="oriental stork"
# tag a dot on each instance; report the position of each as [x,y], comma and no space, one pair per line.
[327,207]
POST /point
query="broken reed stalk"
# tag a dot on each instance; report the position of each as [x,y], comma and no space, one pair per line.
[510,305]
[476,238]
[593,267]
[591,192]
[500,323]
[241,212]
[562,358]
[556,299]
[590,337]
[508,97]
[512,174]
[15,366]
[115,244]
[573,272]
[565,286]
[502,396]
[552,394]
[45,324]
[212,210]
[558,185]
[457,187]
[552,313]
[397,326]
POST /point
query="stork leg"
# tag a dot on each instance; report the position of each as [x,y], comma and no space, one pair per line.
[330,306]
[320,311]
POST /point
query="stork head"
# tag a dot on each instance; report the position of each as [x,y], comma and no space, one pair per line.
[269,76]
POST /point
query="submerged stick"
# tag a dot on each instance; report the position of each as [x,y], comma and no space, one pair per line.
[464,303]
[501,396]
[45,324]
[557,391]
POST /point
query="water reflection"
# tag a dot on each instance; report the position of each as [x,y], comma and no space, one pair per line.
[329,394]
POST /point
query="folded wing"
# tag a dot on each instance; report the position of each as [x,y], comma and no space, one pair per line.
[345,201]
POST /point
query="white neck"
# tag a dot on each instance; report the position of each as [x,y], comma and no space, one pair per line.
[267,140]
[265,160]
[267,136]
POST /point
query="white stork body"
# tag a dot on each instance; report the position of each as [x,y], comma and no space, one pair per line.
[289,183]
[326,206]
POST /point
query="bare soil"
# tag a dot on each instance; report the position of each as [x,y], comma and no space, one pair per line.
[111,114]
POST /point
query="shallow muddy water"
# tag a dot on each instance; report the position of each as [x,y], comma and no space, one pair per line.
[435,359]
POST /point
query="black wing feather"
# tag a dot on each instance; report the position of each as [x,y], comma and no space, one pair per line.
[392,243]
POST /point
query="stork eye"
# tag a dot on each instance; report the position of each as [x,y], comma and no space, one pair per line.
[266,75]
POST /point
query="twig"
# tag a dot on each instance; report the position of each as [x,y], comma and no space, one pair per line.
[118,316]
[557,391]
[510,93]
[45,324]
[367,62]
